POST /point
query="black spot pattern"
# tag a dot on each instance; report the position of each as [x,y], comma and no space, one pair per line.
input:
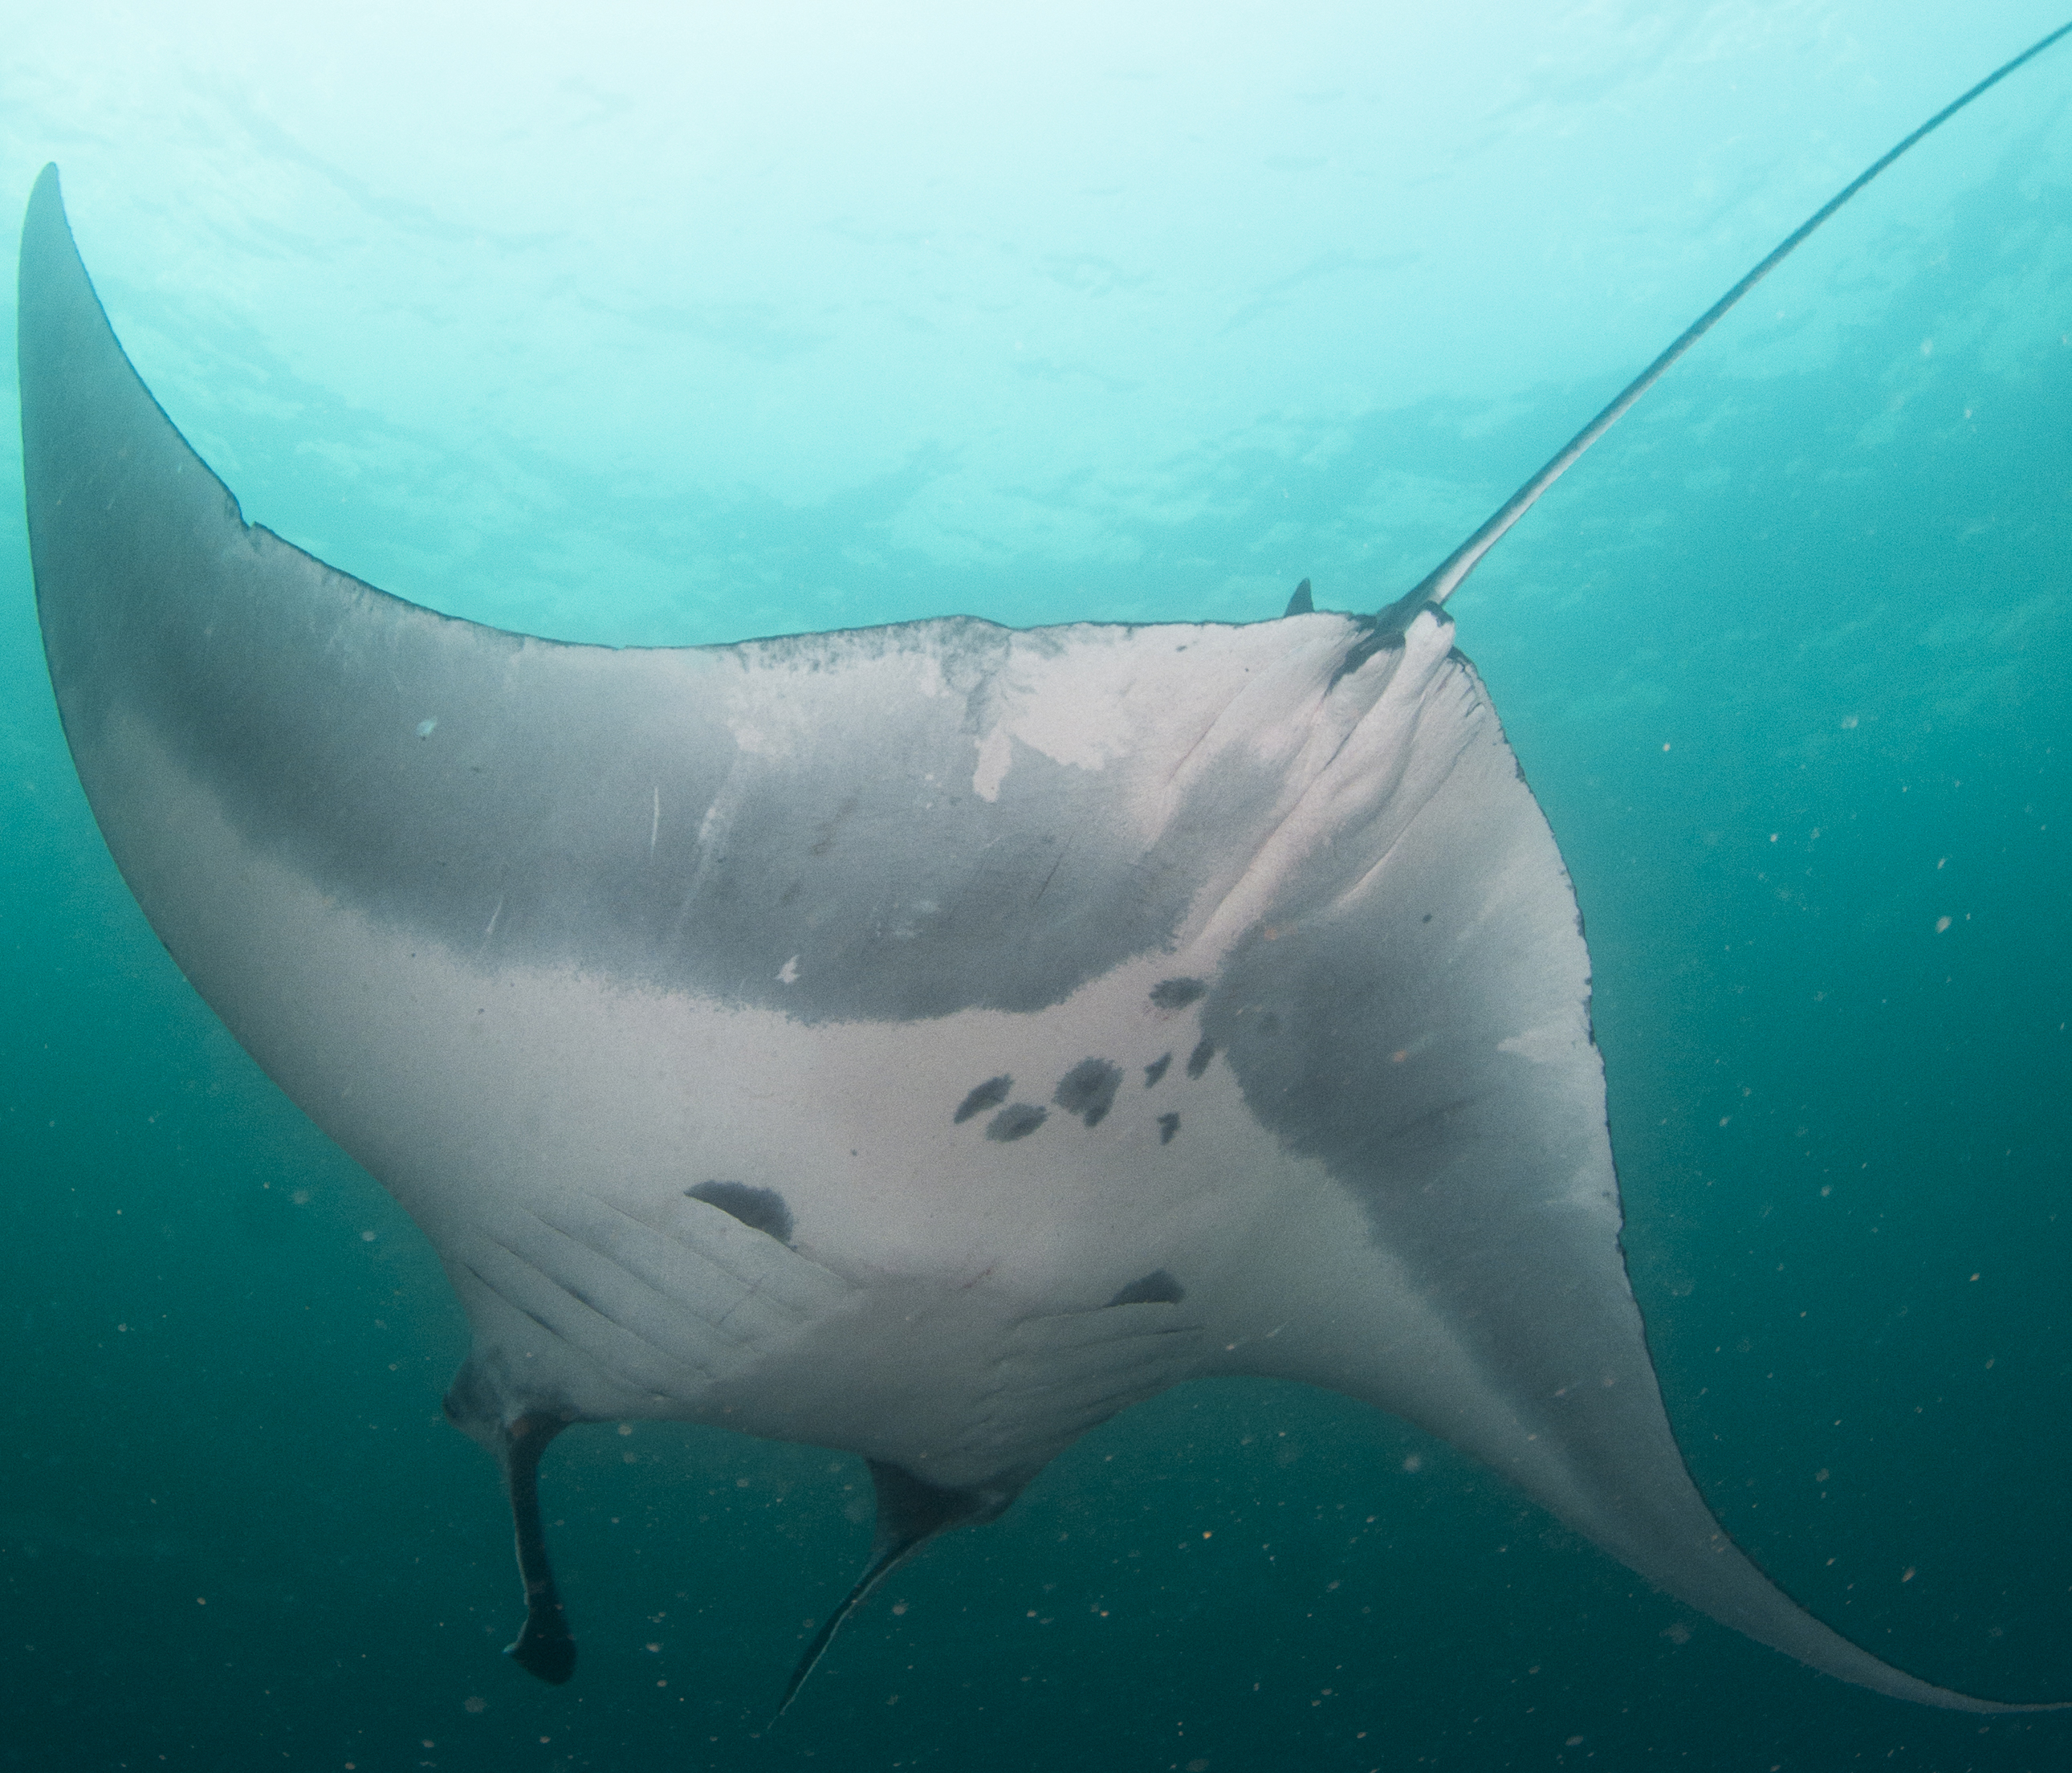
[1177,993]
[989,1094]
[1168,1125]
[1016,1122]
[1088,1090]
[1156,1288]
[1156,1069]
[760,1209]
[1198,1061]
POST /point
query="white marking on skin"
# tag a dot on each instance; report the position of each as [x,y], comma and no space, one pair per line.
[995,751]
[489,929]
[425,726]
[1552,1043]
[788,974]
[1353,749]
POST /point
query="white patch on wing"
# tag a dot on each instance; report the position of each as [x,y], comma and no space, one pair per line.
[995,751]
[1550,1043]
[1341,750]
[1090,699]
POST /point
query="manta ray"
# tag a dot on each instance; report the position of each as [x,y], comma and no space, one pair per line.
[923,1041]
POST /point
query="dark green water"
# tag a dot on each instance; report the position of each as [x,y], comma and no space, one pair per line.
[1789,664]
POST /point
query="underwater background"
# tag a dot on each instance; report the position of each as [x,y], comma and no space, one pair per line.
[680,324]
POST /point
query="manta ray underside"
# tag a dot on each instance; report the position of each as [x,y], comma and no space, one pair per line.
[923,1041]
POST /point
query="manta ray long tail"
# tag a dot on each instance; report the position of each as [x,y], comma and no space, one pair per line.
[1446,577]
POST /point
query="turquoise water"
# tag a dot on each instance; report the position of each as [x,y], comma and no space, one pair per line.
[684,328]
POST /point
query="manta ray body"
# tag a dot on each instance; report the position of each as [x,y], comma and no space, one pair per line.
[923,1041]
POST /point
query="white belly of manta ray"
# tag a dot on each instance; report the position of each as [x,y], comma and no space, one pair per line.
[951,1244]
[924,1042]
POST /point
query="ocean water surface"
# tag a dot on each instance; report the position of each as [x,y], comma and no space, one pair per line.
[677,325]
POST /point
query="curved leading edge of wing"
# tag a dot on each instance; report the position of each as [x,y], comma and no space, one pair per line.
[469,896]
[1425,1038]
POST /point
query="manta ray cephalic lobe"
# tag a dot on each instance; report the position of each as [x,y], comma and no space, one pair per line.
[923,1041]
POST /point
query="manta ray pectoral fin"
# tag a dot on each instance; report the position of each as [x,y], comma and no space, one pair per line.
[487,906]
[1422,1038]
[544,1646]
[911,1511]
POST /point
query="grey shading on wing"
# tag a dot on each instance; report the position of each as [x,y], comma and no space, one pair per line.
[783,1035]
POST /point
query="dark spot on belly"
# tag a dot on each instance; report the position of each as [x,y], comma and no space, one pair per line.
[1156,1288]
[829,828]
[1017,1121]
[1269,1024]
[1427,917]
[1177,993]
[1198,1061]
[1168,1125]
[761,1209]
[989,1094]
[1088,1089]
[1156,1069]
